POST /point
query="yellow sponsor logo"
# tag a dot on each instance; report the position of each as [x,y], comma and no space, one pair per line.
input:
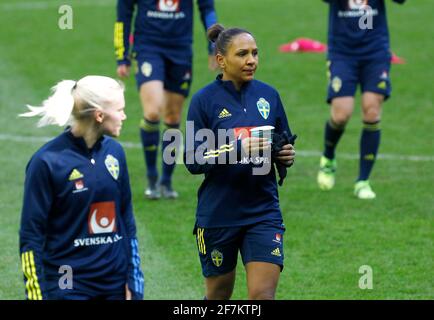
[224,114]
[382,85]
[276,252]
[75,174]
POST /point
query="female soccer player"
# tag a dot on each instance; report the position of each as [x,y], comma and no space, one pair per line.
[78,234]
[359,53]
[163,36]
[237,210]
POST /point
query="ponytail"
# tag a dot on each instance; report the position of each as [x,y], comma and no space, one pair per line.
[57,108]
[222,37]
[76,100]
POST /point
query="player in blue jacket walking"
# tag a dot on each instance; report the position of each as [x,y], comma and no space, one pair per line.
[358,53]
[238,210]
[163,34]
[78,234]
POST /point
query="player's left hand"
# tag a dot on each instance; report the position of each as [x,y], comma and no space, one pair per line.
[128,295]
[287,155]
[212,63]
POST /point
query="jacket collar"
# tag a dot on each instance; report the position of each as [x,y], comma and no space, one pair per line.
[229,85]
[81,143]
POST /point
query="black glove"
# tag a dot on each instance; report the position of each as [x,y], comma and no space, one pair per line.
[279,140]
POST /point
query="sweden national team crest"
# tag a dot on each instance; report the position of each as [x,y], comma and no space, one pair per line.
[263,108]
[112,165]
[146,69]
[336,84]
[217,258]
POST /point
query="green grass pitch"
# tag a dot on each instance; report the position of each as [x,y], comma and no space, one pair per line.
[328,235]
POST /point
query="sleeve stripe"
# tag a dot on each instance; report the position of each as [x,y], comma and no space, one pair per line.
[35,276]
[201,240]
[138,277]
[218,153]
[215,153]
[198,240]
[119,40]
[24,264]
[29,270]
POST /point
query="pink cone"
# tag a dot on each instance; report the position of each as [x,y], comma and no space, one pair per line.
[303,45]
[397,60]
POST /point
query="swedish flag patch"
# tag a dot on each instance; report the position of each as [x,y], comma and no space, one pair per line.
[263,108]
[112,165]
[217,258]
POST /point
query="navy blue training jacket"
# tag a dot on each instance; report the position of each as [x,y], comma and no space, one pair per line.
[346,39]
[158,23]
[77,212]
[230,194]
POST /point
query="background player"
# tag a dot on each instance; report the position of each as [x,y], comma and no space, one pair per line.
[358,53]
[163,32]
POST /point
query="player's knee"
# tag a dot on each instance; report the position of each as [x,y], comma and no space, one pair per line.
[152,107]
[220,293]
[261,294]
[152,115]
[172,113]
[371,113]
[341,118]
[172,119]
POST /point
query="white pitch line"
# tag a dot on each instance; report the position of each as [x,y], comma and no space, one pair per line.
[301,153]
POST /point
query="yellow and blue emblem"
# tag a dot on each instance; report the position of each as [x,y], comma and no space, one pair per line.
[263,108]
[112,165]
[217,258]
[336,84]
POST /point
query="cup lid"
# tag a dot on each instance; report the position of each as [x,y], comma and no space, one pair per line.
[262,128]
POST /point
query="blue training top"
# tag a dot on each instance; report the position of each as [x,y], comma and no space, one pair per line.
[77,212]
[347,39]
[231,195]
[159,23]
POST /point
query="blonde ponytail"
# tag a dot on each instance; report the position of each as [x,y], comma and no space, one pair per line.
[74,100]
[57,108]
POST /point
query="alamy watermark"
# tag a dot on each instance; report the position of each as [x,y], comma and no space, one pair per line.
[360,9]
[67,278]
[366,281]
[366,21]
[203,147]
[66,20]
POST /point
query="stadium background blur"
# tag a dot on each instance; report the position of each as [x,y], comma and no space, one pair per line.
[329,235]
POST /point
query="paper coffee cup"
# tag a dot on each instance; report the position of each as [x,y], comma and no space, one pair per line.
[263,132]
